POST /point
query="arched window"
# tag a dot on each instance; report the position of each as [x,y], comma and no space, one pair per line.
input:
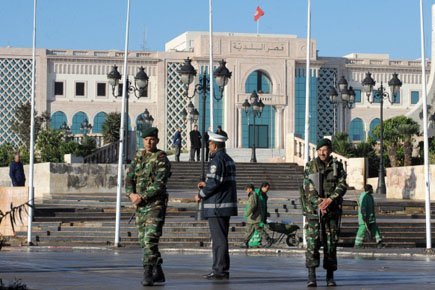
[258,81]
[356,130]
[373,124]
[98,122]
[77,120]
[57,119]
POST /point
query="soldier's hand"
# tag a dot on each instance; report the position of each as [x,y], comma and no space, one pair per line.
[324,203]
[197,198]
[201,184]
[135,198]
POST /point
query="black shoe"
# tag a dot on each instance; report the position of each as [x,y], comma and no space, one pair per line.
[214,276]
[158,275]
[380,245]
[244,245]
[269,242]
[312,277]
[148,276]
[330,278]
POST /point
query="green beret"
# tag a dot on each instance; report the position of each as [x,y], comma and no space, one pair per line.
[324,142]
[150,132]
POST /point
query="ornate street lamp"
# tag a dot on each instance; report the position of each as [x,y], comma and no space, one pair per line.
[380,94]
[144,121]
[191,114]
[139,89]
[66,130]
[85,126]
[188,73]
[345,96]
[256,105]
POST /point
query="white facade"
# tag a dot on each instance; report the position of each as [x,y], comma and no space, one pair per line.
[273,63]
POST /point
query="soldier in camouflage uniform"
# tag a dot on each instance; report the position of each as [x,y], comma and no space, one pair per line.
[145,185]
[321,196]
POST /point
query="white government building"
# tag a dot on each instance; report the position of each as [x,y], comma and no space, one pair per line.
[72,86]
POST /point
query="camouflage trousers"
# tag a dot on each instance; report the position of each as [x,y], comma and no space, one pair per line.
[149,222]
[327,237]
[251,228]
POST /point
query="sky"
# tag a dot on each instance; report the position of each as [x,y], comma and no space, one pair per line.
[340,27]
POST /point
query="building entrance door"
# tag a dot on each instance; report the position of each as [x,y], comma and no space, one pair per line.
[261,136]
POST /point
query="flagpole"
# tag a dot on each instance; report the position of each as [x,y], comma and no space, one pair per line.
[258,27]
[121,132]
[210,67]
[307,98]
[425,134]
[32,134]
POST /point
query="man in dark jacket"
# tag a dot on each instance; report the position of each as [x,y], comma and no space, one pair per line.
[221,132]
[219,194]
[195,143]
[206,138]
[16,171]
[176,143]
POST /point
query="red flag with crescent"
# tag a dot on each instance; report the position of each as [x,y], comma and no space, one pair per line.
[258,13]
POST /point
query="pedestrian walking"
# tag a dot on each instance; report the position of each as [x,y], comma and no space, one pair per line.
[219,194]
[367,219]
[145,186]
[322,194]
[256,215]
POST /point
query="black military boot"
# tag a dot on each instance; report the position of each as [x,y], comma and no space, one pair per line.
[330,278]
[148,276]
[158,275]
[312,277]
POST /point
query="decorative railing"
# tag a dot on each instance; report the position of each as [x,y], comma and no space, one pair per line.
[98,138]
[106,154]
[297,152]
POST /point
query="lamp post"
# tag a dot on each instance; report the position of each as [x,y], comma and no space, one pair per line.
[191,114]
[347,99]
[66,130]
[257,109]
[380,94]
[188,73]
[85,127]
[145,120]
[139,89]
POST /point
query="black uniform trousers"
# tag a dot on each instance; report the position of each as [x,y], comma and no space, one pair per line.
[219,227]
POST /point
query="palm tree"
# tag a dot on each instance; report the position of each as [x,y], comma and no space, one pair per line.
[342,145]
[407,131]
[111,127]
[398,131]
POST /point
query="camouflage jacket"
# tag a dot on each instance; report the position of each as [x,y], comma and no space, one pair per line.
[334,186]
[148,174]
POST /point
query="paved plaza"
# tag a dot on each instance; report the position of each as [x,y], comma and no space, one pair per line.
[120,269]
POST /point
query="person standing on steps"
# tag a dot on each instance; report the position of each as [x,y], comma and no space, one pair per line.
[195,144]
[176,143]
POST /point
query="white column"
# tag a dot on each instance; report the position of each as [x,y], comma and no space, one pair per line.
[279,129]
[239,126]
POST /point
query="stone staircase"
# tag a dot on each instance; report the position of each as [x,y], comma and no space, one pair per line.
[88,219]
[282,176]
